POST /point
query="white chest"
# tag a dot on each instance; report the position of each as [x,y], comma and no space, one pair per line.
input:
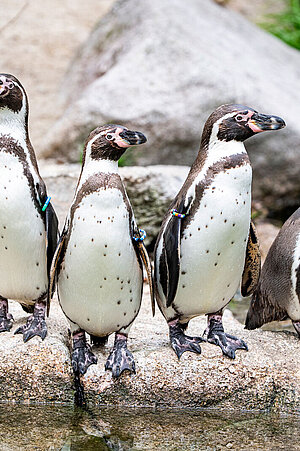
[22,235]
[214,243]
[101,280]
[293,308]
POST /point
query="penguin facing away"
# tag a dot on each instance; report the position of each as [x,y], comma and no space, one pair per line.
[207,242]
[98,262]
[277,296]
[28,223]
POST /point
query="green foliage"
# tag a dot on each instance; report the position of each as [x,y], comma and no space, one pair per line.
[128,158]
[286,24]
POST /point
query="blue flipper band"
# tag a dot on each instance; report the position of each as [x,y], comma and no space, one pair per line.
[141,237]
[178,215]
[46,203]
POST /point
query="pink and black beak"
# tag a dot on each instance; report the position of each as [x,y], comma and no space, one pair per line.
[6,85]
[133,138]
[262,122]
[126,138]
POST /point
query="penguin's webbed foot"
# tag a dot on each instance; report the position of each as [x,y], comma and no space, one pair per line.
[120,359]
[181,342]
[36,324]
[215,334]
[6,319]
[6,322]
[296,325]
[82,356]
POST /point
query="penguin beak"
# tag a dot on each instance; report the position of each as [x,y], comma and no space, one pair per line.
[130,138]
[5,86]
[262,122]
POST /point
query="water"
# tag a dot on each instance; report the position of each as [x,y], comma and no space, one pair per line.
[67,428]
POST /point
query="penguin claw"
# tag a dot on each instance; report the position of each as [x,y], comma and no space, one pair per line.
[215,334]
[82,358]
[120,359]
[6,323]
[181,342]
[35,326]
[186,343]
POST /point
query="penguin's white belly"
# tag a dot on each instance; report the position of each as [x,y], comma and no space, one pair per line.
[293,306]
[100,283]
[213,246]
[23,271]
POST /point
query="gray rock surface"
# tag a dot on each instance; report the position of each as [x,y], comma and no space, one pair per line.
[266,377]
[162,67]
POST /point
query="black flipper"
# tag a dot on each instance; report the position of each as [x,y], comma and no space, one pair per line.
[252,266]
[170,258]
[52,234]
[55,268]
[51,224]
[146,260]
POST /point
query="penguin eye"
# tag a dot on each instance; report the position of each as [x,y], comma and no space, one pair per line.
[239,117]
[109,137]
[10,85]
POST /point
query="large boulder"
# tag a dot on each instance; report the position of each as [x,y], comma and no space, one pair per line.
[266,377]
[162,67]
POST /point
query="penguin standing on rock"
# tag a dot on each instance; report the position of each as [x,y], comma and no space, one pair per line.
[207,242]
[28,223]
[277,296]
[99,259]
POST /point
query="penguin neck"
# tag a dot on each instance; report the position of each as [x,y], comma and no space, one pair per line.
[217,151]
[14,125]
[93,167]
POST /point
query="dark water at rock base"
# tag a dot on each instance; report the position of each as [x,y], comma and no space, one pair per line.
[67,428]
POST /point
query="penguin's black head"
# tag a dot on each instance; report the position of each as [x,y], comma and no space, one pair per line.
[237,123]
[12,94]
[109,142]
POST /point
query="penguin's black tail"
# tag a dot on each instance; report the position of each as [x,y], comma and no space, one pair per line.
[263,309]
[254,316]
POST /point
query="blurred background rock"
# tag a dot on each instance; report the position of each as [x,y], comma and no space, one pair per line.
[160,69]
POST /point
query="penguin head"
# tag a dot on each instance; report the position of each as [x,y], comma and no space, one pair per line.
[12,95]
[237,123]
[109,142]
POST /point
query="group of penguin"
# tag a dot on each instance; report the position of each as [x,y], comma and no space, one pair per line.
[206,248]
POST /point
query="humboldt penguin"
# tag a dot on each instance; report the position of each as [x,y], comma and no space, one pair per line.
[278,292]
[28,223]
[98,262]
[207,243]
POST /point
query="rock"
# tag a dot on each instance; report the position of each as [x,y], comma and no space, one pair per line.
[37,371]
[145,67]
[266,377]
[150,189]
